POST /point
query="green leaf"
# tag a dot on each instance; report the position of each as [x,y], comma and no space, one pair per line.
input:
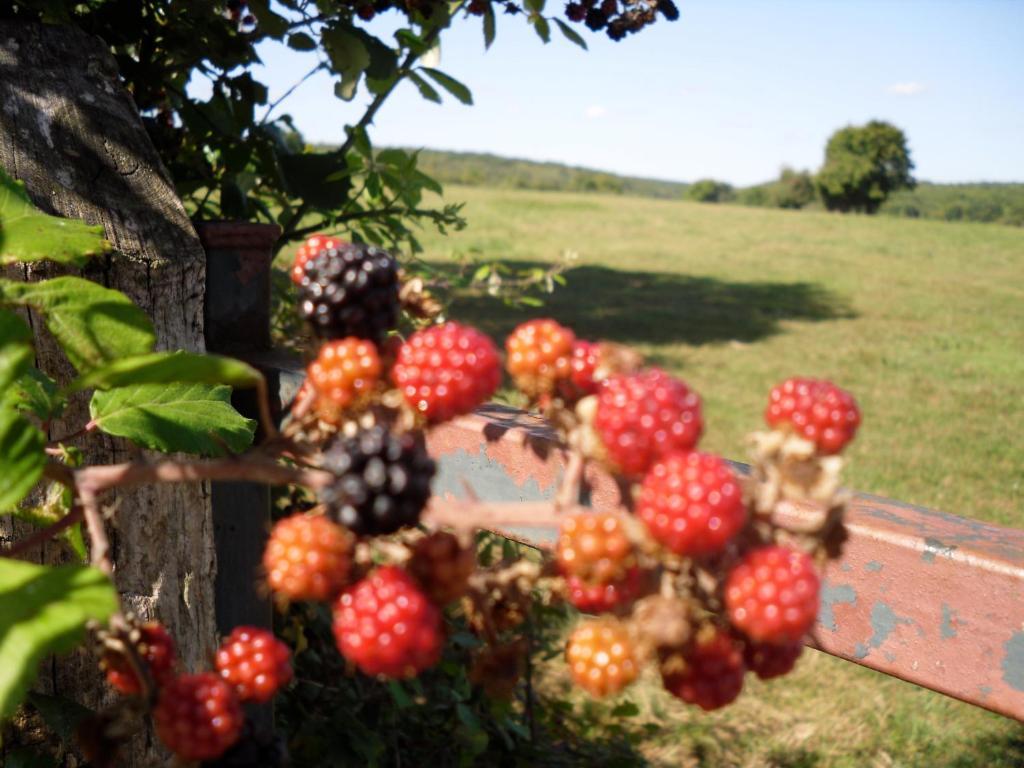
[626,709]
[56,505]
[42,611]
[21,458]
[489,26]
[192,418]
[300,41]
[398,695]
[322,179]
[571,34]
[427,91]
[94,325]
[164,367]
[28,234]
[450,84]
[34,393]
[15,348]
[349,58]
[543,29]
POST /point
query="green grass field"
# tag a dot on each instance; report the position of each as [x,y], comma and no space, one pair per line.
[923,321]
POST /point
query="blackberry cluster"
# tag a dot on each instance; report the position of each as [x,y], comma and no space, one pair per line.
[383,481]
[350,290]
[619,19]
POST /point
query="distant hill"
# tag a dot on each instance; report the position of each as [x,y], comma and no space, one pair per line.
[985,202]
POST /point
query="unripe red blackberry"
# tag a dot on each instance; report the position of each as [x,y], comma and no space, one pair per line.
[692,503]
[383,480]
[345,372]
[603,596]
[539,355]
[309,249]
[712,673]
[594,547]
[816,410]
[442,566]
[198,717]
[769,661]
[772,595]
[350,290]
[580,382]
[307,557]
[385,625]
[155,648]
[255,662]
[644,416]
[447,370]
[600,657]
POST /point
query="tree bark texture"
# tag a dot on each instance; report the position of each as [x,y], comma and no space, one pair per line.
[71,132]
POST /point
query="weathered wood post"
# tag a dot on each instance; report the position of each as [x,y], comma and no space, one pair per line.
[70,131]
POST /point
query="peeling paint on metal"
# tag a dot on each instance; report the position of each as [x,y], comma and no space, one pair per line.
[949,621]
[832,595]
[933,547]
[873,567]
[883,621]
[489,479]
[845,567]
[1013,661]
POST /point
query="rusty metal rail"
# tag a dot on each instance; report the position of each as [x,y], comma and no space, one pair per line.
[928,597]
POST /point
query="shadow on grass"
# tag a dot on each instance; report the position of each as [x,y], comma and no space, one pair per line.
[657,307]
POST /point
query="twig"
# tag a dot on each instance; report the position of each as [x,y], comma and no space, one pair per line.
[99,544]
[44,535]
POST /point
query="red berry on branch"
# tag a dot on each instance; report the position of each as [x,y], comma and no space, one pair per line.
[385,625]
[600,657]
[345,372]
[772,595]
[601,597]
[366,12]
[768,661]
[645,416]
[575,12]
[692,503]
[308,250]
[712,673]
[816,410]
[598,561]
[155,648]
[307,558]
[198,717]
[447,370]
[255,662]
[539,355]
[584,361]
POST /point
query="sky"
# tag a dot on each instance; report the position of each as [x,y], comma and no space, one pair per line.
[733,90]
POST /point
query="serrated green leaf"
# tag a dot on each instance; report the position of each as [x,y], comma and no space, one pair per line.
[94,325]
[15,348]
[42,611]
[450,84]
[164,367]
[28,234]
[34,393]
[571,34]
[191,418]
[22,457]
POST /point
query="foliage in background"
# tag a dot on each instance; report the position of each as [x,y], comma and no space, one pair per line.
[710,191]
[863,166]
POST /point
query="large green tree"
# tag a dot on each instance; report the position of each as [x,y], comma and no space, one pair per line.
[863,165]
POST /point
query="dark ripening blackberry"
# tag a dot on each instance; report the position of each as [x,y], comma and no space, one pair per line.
[350,290]
[383,481]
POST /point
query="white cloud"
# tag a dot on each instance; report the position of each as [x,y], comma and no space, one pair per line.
[910,88]
[595,111]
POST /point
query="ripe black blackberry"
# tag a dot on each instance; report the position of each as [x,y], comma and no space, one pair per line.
[383,481]
[350,290]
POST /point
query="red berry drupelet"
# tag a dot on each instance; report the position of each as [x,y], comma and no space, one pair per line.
[447,370]
[816,410]
[768,661]
[644,416]
[600,597]
[155,647]
[539,356]
[600,657]
[692,503]
[307,558]
[385,625]
[198,717]
[712,675]
[345,372]
[255,662]
[772,595]
[585,358]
